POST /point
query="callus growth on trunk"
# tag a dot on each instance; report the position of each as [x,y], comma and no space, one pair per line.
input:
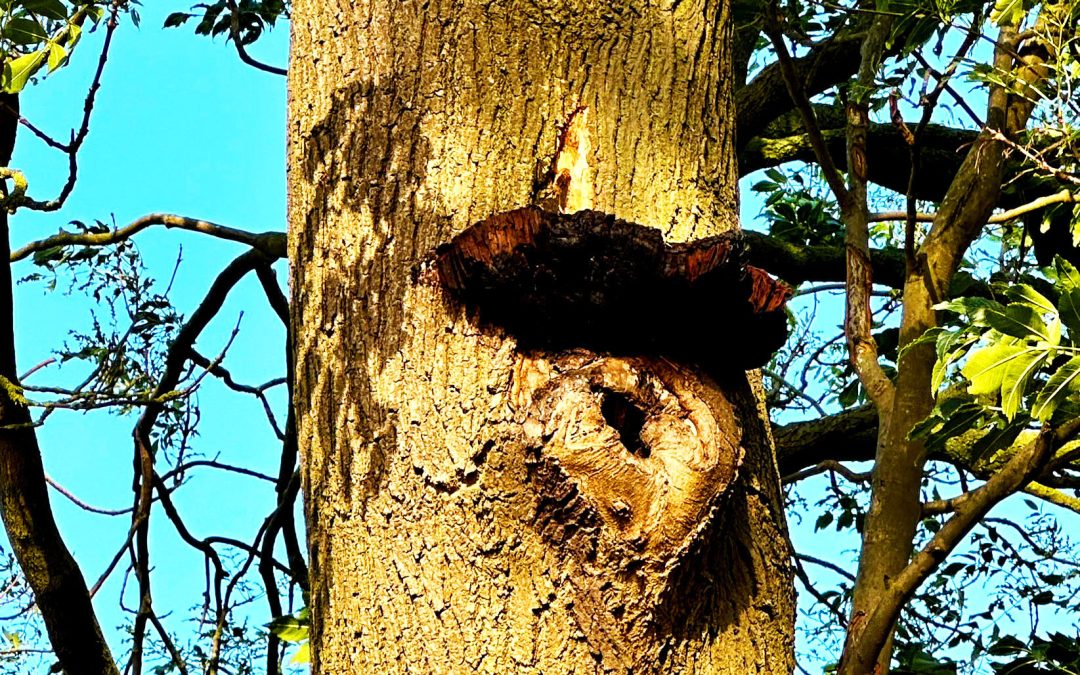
[590,280]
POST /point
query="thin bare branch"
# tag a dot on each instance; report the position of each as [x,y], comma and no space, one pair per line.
[802,104]
[828,465]
[146,479]
[271,244]
[827,565]
[180,471]
[1062,197]
[81,504]
[820,597]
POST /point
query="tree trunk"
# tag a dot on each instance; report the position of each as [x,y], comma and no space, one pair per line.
[474,505]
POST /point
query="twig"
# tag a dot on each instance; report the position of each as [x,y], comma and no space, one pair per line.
[183,468]
[271,244]
[805,579]
[115,560]
[796,391]
[234,33]
[802,104]
[174,654]
[826,564]
[1035,546]
[259,392]
[836,286]
[81,504]
[1062,197]
[829,465]
[47,362]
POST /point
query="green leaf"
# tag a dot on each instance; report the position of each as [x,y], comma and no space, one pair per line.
[1009,12]
[303,654]
[57,56]
[23,31]
[973,308]
[1067,276]
[47,255]
[776,175]
[1064,382]
[951,347]
[985,367]
[1026,295]
[176,19]
[50,9]
[849,395]
[74,32]
[17,72]
[946,424]
[997,438]
[1021,321]
[1015,379]
[95,12]
[289,628]
[1069,308]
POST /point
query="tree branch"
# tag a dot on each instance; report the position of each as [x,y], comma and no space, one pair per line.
[146,479]
[874,628]
[18,198]
[796,264]
[241,50]
[271,244]
[802,104]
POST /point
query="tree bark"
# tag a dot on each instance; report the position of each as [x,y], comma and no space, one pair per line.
[474,505]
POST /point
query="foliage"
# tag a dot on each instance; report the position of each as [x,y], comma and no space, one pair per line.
[37,34]
[244,21]
[1056,653]
[294,629]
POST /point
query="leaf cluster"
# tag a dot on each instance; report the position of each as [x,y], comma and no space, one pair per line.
[1013,360]
[294,628]
[244,21]
[40,34]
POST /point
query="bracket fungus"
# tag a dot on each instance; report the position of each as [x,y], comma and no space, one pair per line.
[589,280]
[623,342]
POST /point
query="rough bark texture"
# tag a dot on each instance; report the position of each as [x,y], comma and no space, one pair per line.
[474,506]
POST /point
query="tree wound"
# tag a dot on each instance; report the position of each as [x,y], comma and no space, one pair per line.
[622,415]
[640,446]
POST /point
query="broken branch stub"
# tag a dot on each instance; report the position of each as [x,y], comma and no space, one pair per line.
[590,280]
